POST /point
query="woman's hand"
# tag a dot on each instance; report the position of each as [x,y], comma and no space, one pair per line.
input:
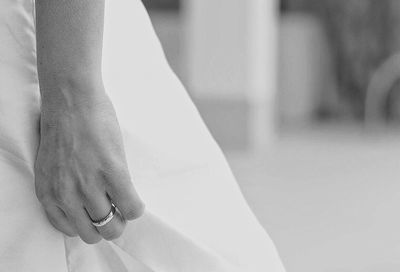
[81,168]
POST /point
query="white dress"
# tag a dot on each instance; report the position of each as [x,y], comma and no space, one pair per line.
[196,219]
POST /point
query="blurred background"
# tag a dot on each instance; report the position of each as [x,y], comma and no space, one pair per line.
[302,96]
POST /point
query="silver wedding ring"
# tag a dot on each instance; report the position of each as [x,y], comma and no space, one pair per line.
[105,220]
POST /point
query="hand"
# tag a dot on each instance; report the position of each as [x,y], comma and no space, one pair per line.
[81,168]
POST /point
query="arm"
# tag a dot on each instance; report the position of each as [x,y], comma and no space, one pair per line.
[69,48]
[80,167]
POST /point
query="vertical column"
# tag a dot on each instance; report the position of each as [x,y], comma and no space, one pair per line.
[262,71]
[231,68]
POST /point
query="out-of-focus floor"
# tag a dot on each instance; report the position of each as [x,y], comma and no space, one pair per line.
[329,198]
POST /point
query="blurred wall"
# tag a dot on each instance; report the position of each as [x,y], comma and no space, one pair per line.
[306,79]
[230,68]
[224,51]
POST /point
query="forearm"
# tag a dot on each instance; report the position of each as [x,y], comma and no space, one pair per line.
[69,49]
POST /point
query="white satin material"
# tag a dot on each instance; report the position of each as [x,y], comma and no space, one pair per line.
[196,219]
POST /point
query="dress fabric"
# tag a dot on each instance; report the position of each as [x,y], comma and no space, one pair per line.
[196,218]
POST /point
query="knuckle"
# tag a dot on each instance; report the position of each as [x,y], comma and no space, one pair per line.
[118,172]
[91,239]
[68,232]
[112,233]
[135,212]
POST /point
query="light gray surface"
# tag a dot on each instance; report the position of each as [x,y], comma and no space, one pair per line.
[330,200]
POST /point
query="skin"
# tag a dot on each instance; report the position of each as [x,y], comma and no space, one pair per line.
[81,164]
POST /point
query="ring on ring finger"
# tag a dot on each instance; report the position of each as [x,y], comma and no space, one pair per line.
[104,221]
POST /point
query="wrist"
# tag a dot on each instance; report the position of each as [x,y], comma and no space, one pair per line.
[71,91]
[81,114]
[68,100]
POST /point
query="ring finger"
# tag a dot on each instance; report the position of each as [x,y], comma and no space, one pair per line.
[98,207]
